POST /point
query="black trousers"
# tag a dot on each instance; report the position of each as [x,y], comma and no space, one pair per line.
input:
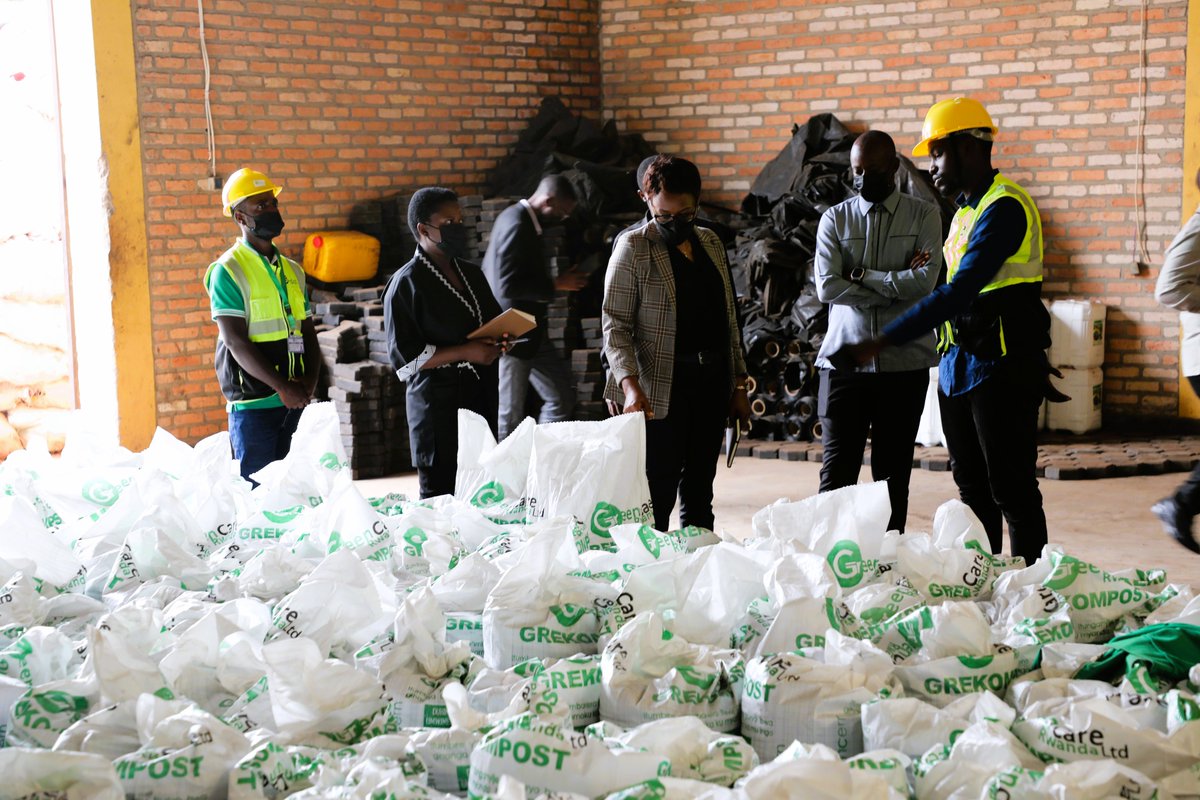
[1188,493]
[682,448]
[432,405]
[991,432]
[889,405]
[438,479]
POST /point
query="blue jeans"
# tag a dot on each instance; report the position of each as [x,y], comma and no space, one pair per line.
[261,435]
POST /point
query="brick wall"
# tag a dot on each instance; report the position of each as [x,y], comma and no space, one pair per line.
[341,102]
[722,82]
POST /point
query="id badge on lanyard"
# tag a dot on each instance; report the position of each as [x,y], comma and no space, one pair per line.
[295,339]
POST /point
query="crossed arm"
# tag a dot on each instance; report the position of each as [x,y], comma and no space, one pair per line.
[878,288]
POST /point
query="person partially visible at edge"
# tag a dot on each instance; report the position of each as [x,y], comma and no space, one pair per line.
[614,408]
[267,356]
[673,344]
[1179,288]
[877,254]
[430,306]
[992,329]
[516,269]
[639,178]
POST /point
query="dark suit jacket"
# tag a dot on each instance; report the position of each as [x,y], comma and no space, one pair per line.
[515,266]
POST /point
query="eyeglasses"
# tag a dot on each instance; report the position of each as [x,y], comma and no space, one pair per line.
[687,215]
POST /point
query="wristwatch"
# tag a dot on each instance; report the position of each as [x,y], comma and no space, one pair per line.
[857,274]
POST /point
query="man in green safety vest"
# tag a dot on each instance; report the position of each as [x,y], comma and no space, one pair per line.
[267,355]
[992,328]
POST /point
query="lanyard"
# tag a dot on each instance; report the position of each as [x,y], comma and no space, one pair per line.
[281,287]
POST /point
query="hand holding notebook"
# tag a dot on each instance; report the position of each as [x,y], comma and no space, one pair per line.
[511,323]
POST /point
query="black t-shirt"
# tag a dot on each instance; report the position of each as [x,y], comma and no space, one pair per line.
[701,319]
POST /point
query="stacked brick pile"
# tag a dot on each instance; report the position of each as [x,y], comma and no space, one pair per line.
[359,380]
[589,377]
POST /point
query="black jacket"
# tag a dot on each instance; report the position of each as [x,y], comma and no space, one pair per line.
[420,309]
[515,266]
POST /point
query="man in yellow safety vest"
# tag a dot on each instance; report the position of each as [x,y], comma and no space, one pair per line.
[992,328]
[267,356]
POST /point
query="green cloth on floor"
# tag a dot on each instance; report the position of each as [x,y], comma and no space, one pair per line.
[1168,651]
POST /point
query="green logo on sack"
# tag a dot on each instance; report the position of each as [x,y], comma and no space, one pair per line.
[330,461]
[692,676]
[568,614]
[489,494]
[55,702]
[975,662]
[652,789]
[100,492]
[650,540]
[604,517]
[845,559]
[1065,573]
[415,538]
[283,515]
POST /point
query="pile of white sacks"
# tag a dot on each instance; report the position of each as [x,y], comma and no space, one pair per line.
[165,632]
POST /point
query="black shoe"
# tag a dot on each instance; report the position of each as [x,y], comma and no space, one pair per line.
[1176,522]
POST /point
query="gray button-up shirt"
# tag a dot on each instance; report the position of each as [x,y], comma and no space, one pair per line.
[882,238]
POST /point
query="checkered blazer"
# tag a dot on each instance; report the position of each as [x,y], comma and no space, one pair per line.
[639,315]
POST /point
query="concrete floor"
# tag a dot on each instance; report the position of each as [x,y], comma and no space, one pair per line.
[1107,522]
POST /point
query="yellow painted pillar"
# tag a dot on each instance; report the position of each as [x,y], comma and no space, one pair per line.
[121,145]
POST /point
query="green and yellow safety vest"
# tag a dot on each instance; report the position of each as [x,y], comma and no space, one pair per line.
[275,308]
[1023,266]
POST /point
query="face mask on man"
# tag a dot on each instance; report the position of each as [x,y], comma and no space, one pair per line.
[874,187]
[455,241]
[266,225]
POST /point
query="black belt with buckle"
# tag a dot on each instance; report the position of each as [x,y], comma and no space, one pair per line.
[703,357]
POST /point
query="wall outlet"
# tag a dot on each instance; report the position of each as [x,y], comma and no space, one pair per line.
[209,184]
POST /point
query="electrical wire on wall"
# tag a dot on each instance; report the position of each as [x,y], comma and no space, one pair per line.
[1139,195]
[208,122]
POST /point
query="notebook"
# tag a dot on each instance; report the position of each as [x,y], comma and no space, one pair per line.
[513,322]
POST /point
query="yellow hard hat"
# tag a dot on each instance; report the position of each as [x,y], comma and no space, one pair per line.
[951,116]
[245,183]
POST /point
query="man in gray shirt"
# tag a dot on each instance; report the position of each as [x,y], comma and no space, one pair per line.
[1179,288]
[877,254]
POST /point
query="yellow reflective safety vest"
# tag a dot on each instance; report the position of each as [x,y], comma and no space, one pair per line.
[1022,267]
[269,320]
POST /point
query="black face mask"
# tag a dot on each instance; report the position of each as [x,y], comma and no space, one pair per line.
[874,187]
[677,231]
[455,242]
[266,225]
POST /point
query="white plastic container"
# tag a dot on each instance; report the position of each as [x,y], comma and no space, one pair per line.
[1077,333]
[1081,413]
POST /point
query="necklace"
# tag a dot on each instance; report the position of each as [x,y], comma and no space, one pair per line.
[473,306]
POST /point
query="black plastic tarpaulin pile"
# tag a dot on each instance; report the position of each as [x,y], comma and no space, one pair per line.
[595,158]
[783,321]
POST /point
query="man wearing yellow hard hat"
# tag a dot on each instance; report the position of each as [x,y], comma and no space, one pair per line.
[267,355]
[992,328]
